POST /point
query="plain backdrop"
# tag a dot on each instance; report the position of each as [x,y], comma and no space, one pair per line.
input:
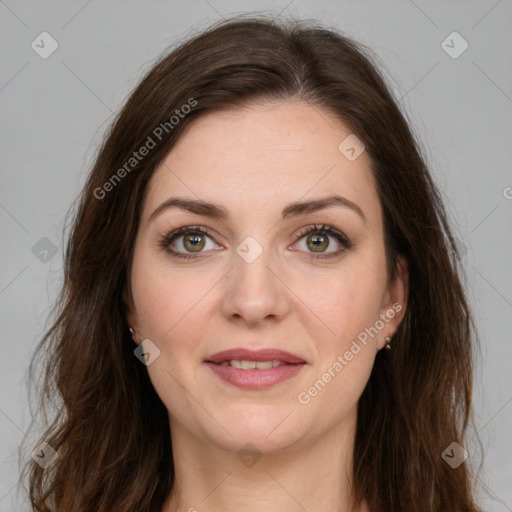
[54,111]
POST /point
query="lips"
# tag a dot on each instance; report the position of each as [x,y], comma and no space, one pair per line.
[268,354]
[234,367]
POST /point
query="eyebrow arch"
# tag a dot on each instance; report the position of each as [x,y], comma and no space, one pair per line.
[217,211]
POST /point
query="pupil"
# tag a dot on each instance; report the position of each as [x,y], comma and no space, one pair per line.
[194,241]
[319,241]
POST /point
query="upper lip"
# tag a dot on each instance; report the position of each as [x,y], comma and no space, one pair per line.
[266,354]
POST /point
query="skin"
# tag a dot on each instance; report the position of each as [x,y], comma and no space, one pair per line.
[254,162]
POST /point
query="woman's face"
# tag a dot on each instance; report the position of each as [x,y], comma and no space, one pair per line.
[258,280]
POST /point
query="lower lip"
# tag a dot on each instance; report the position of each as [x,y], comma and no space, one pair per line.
[254,378]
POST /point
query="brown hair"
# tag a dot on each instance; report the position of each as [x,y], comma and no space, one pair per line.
[111,429]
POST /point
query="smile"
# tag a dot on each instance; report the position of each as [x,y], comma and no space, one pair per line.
[249,365]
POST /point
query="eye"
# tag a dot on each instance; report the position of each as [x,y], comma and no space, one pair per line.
[187,240]
[191,239]
[317,240]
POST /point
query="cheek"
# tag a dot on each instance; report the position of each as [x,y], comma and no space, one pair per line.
[345,343]
[349,300]
[163,299]
[169,309]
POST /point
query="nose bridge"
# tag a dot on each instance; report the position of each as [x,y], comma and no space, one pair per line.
[254,290]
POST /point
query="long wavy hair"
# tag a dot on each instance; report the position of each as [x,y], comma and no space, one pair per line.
[109,427]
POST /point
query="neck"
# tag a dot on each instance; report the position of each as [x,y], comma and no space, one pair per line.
[313,475]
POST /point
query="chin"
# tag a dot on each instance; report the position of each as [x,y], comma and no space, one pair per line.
[257,442]
[268,432]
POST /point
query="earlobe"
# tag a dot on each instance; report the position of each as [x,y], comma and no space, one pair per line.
[134,336]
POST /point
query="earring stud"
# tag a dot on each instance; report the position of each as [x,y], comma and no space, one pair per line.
[388,339]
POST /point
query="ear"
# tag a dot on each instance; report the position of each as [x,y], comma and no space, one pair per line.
[394,302]
[130,314]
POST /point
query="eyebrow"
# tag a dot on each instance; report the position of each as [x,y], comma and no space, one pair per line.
[217,211]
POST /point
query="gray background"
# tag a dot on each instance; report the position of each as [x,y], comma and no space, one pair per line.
[54,112]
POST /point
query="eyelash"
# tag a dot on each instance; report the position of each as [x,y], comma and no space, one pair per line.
[166,240]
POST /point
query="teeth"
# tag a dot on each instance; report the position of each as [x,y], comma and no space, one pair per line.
[249,365]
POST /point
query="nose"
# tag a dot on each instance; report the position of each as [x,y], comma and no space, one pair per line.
[255,290]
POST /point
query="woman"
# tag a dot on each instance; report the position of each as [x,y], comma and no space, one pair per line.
[262,306]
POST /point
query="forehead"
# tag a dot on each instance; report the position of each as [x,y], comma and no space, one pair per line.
[261,157]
